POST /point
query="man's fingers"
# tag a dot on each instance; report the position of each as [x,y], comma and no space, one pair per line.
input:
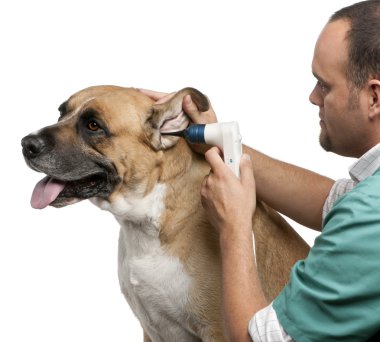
[195,115]
[166,98]
[157,96]
[154,95]
[214,158]
[189,106]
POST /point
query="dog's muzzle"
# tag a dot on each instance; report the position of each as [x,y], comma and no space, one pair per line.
[72,173]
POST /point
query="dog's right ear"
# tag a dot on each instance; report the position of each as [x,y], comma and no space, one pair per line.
[170,117]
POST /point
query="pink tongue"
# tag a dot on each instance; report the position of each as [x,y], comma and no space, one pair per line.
[45,192]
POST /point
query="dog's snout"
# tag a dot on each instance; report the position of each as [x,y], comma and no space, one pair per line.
[32,145]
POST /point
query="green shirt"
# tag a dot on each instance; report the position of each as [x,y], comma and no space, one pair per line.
[334,295]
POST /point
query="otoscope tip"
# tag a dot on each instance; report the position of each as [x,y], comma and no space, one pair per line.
[177,134]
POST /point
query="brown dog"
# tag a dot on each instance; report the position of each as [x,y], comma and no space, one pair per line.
[107,147]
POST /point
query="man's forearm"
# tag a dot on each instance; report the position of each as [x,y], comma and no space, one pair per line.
[242,293]
[293,191]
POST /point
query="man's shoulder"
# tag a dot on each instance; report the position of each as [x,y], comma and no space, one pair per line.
[369,186]
[358,207]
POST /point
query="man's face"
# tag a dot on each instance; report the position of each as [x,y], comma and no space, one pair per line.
[344,123]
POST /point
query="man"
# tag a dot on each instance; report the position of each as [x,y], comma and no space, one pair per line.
[333,295]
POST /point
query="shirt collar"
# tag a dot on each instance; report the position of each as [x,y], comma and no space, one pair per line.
[366,165]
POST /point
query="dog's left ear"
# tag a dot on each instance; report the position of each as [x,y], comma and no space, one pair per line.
[170,117]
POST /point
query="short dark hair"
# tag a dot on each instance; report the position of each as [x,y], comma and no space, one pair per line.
[363,40]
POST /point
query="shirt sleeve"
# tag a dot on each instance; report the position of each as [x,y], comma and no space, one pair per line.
[339,188]
[334,294]
[265,327]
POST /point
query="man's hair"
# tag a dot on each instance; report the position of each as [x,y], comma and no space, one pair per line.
[363,39]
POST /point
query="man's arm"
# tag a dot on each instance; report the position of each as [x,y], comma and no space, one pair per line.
[230,203]
[242,293]
[293,191]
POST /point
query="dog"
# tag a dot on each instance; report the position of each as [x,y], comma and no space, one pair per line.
[107,147]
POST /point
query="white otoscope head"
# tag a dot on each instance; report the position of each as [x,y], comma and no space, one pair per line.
[225,135]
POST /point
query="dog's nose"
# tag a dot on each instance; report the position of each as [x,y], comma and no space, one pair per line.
[32,145]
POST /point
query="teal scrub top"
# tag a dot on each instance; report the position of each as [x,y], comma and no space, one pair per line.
[334,294]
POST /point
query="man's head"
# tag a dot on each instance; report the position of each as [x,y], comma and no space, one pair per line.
[346,64]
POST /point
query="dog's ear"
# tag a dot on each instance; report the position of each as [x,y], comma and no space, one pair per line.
[170,117]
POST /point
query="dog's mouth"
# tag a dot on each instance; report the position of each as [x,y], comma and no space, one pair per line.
[59,193]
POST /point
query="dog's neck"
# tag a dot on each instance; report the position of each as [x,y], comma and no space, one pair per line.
[175,178]
[176,162]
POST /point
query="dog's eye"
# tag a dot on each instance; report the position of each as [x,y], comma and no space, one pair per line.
[93,126]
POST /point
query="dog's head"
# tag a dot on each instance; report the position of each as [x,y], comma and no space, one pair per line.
[107,140]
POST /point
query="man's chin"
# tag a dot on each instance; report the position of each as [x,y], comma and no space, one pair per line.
[325,142]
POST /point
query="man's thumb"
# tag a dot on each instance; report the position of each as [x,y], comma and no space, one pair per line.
[190,108]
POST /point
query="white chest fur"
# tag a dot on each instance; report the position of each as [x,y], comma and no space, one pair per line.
[154,283]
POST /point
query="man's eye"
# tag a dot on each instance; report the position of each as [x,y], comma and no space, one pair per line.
[93,126]
[322,86]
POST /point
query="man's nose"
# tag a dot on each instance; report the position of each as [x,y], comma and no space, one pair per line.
[315,98]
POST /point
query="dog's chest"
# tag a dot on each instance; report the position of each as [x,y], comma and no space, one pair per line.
[154,283]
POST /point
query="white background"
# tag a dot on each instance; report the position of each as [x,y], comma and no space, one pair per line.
[252,58]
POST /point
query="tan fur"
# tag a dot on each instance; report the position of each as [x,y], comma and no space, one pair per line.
[141,162]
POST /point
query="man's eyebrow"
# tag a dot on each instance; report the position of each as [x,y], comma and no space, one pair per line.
[319,78]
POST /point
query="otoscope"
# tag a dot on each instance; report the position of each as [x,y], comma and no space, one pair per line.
[225,135]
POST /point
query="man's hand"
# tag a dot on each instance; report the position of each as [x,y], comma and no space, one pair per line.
[189,107]
[157,96]
[230,202]
[195,115]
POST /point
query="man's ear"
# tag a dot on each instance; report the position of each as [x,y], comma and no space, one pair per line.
[374,105]
[170,117]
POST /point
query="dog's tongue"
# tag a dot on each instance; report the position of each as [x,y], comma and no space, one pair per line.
[45,192]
